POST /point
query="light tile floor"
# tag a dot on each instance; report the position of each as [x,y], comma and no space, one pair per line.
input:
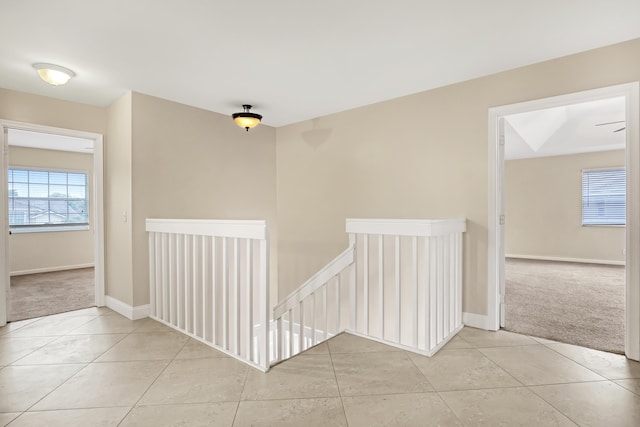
[95,368]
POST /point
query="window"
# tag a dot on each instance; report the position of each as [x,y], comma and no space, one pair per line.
[603,197]
[39,198]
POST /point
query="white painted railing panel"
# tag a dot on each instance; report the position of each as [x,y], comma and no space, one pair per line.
[406,227]
[399,282]
[316,302]
[210,280]
[408,281]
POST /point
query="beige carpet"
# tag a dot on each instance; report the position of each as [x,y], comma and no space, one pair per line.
[35,295]
[581,304]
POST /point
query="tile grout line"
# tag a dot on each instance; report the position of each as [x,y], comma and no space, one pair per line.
[62,383]
[54,338]
[58,337]
[244,385]
[437,393]
[568,359]
[551,404]
[146,390]
[87,364]
[335,375]
[575,361]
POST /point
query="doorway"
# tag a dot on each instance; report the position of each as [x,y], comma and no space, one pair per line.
[496,262]
[564,198]
[29,139]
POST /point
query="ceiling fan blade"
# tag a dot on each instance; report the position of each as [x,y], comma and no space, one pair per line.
[609,123]
[618,130]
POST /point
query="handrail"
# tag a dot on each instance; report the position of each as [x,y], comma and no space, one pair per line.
[242,229]
[406,227]
[337,265]
[399,282]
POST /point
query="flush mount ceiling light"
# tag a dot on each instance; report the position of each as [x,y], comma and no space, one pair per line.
[247,119]
[53,74]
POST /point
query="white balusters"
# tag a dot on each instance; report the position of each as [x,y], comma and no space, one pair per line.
[209,281]
[398,293]
[353,294]
[426,302]
[249,296]
[414,278]
[381,286]
[312,309]
[225,295]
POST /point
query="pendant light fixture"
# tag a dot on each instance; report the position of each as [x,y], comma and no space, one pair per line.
[246,119]
[54,74]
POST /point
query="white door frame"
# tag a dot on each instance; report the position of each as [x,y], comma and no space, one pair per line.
[96,204]
[631,92]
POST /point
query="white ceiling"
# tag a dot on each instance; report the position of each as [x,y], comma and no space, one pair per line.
[292,59]
[577,128]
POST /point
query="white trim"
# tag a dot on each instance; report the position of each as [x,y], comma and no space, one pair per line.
[242,229]
[565,259]
[141,311]
[5,280]
[51,269]
[48,229]
[97,205]
[494,250]
[318,280]
[98,218]
[406,227]
[133,313]
[631,92]
[632,164]
[480,321]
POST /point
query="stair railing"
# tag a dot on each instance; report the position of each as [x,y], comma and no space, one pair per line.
[307,315]
[403,288]
[399,282]
[407,290]
[210,280]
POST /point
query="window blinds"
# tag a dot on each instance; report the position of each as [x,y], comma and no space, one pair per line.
[42,197]
[603,197]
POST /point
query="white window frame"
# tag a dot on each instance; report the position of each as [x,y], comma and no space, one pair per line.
[603,224]
[38,228]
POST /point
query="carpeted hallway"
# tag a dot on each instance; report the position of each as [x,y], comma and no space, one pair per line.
[42,294]
[581,304]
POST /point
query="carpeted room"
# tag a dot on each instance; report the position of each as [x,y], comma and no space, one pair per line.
[51,241]
[564,272]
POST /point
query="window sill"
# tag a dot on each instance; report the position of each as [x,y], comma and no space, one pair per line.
[604,225]
[22,230]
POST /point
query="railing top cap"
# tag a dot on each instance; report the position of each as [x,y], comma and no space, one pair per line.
[246,229]
[406,227]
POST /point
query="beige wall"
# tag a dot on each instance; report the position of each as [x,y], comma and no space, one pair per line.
[192,163]
[543,206]
[117,201]
[420,156]
[35,109]
[166,160]
[43,251]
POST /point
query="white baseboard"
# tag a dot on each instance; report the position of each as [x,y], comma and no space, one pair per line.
[479,321]
[563,259]
[51,269]
[133,313]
